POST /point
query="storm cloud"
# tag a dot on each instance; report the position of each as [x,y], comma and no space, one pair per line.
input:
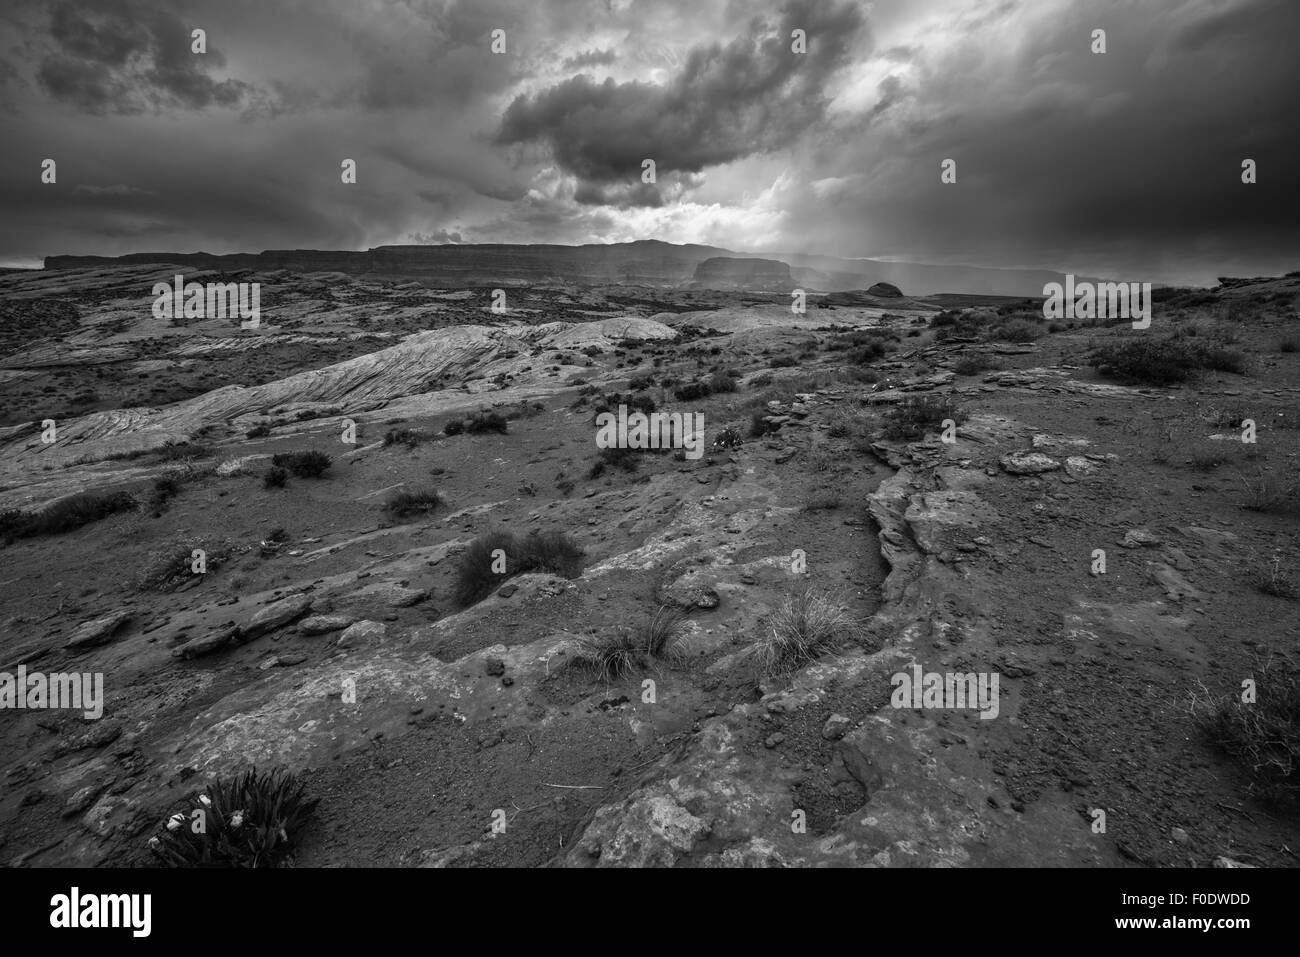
[1122,163]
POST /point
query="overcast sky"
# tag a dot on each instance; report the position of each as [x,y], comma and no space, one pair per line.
[1125,164]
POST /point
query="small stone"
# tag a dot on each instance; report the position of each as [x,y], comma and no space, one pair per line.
[362,631]
[837,725]
[773,740]
[508,589]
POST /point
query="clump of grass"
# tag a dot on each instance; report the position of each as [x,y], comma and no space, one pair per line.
[1150,361]
[1267,492]
[176,566]
[1272,579]
[251,820]
[306,464]
[66,515]
[492,558]
[613,654]
[405,504]
[802,628]
[910,419]
[408,437]
[619,458]
[481,423]
[975,364]
[1263,736]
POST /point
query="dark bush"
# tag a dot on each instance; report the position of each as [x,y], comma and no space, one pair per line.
[476,568]
[482,422]
[66,514]
[405,504]
[275,477]
[310,463]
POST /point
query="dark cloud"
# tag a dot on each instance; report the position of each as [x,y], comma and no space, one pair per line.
[129,56]
[750,95]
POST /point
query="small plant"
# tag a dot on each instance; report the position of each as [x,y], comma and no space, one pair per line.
[613,654]
[307,464]
[1266,492]
[406,504]
[275,477]
[1262,735]
[408,437]
[482,422]
[802,628]
[1162,362]
[66,514]
[620,458]
[251,820]
[974,365]
[910,419]
[1272,579]
[492,558]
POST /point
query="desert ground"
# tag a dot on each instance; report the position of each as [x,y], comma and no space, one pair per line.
[634,695]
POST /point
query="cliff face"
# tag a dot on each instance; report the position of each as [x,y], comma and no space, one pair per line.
[646,262]
[721,272]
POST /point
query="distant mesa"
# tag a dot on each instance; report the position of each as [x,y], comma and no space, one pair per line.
[647,262]
[722,272]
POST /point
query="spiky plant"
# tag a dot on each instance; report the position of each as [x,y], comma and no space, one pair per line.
[250,820]
[802,628]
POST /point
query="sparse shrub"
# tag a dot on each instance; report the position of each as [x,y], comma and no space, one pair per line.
[620,458]
[275,477]
[67,514]
[408,437]
[1267,492]
[404,504]
[482,422]
[476,574]
[692,391]
[310,463]
[974,364]
[258,432]
[782,362]
[251,820]
[454,427]
[1162,361]
[1262,736]
[723,382]
[910,419]
[1272,579]
[613,654]
[802,628]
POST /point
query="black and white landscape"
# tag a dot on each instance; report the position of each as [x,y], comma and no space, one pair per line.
[650,434]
